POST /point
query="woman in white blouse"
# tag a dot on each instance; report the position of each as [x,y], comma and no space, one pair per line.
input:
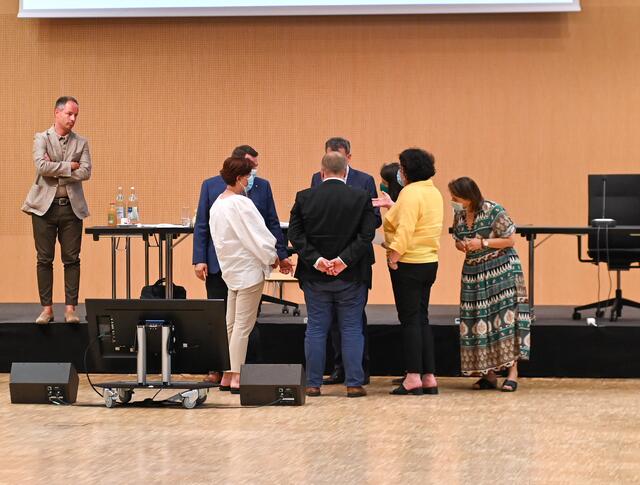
[246,251]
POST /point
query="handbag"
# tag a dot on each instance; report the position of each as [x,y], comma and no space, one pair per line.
[158,291]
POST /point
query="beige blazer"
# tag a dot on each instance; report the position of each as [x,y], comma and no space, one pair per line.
[58,172]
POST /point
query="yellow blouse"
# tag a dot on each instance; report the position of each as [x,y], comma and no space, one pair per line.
[413,226]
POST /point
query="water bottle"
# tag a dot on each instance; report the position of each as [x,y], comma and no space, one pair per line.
[111,217]
[132,207]
[120,209]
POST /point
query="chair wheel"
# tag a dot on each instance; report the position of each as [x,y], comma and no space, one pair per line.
[600,313]
[285,310]
[576,316]
[296,312]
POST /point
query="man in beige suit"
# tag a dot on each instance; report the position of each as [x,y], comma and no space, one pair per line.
[57,205]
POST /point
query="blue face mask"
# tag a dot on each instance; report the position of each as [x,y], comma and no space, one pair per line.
[252,179]
[399,179]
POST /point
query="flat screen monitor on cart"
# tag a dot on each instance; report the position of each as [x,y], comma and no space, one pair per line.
[200,333]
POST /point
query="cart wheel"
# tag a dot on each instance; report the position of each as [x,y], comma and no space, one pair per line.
[110,398]
[189,399]
[202,396]
[285,310]
[296,312]
[576,316]
[600,313]
[124,395]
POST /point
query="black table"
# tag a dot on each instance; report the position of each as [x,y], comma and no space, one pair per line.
[166,234]
[531,232]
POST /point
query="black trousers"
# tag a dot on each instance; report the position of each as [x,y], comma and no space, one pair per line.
[59,222]
[217,290]
[411,290]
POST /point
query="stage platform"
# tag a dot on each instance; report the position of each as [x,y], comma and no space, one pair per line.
[561,347]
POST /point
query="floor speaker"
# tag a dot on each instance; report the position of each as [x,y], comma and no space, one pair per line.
[272,384]
[43,383]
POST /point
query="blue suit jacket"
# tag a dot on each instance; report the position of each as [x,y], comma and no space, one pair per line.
[359,180]
[260,194]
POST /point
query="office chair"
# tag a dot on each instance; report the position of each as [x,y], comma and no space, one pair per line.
[613,200]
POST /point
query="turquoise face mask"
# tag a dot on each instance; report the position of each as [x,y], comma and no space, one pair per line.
[384,188]
[252,179]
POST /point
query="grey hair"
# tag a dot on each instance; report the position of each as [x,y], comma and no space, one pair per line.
[62,101]
[334,163]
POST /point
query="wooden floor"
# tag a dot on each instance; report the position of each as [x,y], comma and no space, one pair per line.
[550,431]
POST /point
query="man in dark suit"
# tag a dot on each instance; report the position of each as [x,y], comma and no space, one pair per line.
[331,228]
[361,180]
[205,260]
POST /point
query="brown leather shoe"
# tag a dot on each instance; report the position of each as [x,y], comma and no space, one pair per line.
[44,318]
[213,377]
[71,317]
[312,391]
[357,391]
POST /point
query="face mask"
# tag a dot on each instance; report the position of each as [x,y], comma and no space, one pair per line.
[457,206]
[252,179]
[244,188]
[384,188]
[399,179]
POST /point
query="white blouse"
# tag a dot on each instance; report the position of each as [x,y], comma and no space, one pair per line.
[244,246]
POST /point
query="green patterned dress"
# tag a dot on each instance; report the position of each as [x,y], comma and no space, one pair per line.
[494,308]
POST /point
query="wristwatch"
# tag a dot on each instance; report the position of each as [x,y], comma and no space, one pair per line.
[485,243]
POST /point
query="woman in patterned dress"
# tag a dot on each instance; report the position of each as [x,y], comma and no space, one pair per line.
[494,309]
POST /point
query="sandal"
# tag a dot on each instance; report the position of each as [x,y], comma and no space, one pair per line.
[511,386]
[484,384]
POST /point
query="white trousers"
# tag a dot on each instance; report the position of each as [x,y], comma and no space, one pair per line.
[242,311]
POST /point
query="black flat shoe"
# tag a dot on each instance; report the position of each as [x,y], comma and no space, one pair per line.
[224,388]
[484,384]
[430,390]
[403,391]
[234,390]
[511,384]
[397,381]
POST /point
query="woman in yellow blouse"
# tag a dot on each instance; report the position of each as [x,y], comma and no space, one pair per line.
[412,229]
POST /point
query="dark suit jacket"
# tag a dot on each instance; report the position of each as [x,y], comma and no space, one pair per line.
[333,220]
[359,180]
[260,194]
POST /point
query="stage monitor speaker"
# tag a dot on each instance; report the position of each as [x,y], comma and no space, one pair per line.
[43,383]
[276,384]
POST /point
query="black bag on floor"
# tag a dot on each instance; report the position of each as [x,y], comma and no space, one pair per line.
[158,291]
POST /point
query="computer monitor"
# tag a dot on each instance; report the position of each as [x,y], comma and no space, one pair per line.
[200,333]
[615,196]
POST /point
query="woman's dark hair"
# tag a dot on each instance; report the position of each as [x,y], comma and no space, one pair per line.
[234,167]
[467,189]
[388,173]
[417,164]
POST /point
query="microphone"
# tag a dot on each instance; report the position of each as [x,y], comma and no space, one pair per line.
[603,221]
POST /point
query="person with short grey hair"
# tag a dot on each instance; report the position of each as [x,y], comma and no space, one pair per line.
[57,205]
[331,228]
[360,180]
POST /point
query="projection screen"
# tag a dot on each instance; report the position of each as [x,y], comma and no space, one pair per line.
[191,8]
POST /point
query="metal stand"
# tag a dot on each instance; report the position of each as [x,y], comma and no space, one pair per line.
[195,393]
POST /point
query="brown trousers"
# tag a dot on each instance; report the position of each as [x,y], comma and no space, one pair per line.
[58,222]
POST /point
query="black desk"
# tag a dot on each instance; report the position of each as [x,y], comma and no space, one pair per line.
[531,232]
[166,234]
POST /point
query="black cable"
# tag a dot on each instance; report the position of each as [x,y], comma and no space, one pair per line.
[606,232]
[84,360]
[598,266]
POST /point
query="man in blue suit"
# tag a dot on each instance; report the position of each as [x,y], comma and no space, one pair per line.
[359,180]
[205,260]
